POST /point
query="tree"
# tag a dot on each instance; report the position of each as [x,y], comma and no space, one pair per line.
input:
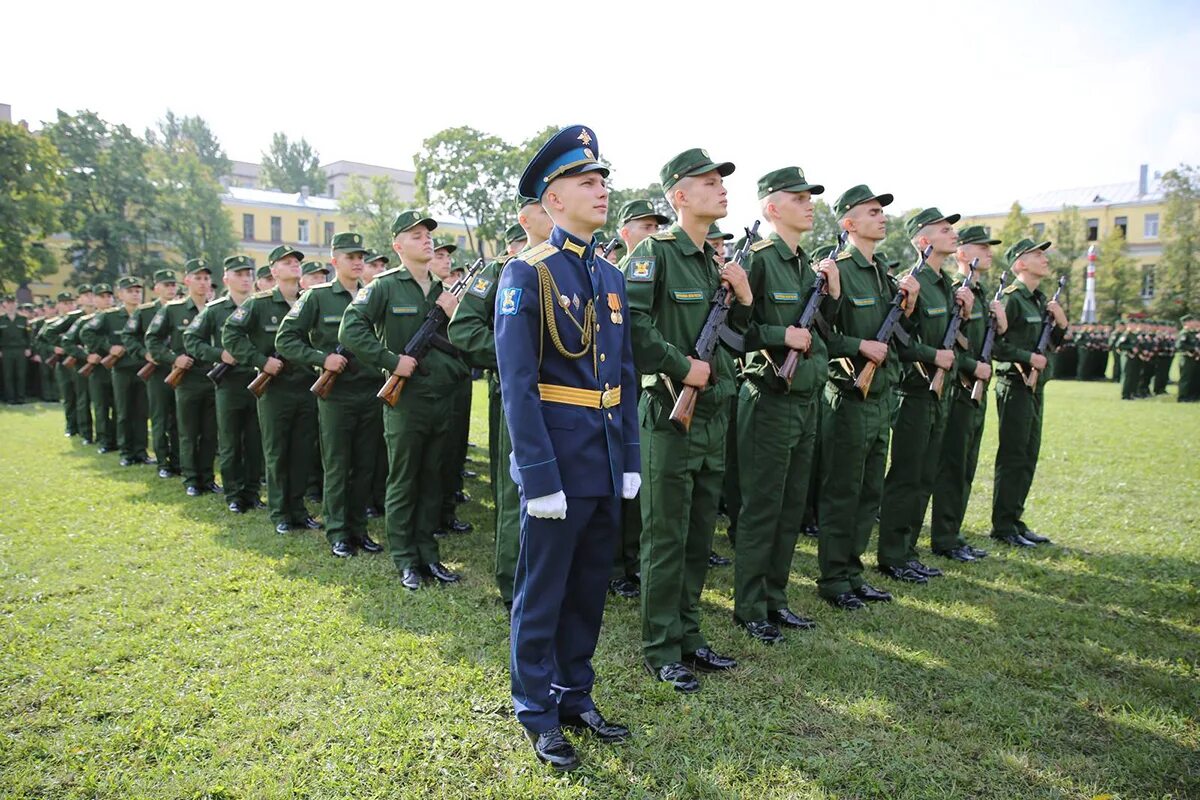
[825,228]
[291,166]
[370,205]
[1177,279]
[189,214]
[1068,235]
[470,175]
[108,209]
[173,130]
[31,188]
[897,246]
[1117,284]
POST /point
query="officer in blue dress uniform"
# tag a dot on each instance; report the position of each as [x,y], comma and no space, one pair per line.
[570,398]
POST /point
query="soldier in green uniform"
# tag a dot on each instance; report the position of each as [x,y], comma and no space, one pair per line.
[376,327]
[670,279]
[239,441]
[15,347]
[731,492]
[313,273]
[459,411]
[920,419]
[1019,407]
[350,419]
[856,429]
[100,387]
[373,264]
[1164,354]
[195,399]
[964,427]
[777,419]
[73,352]
[102,338]
[287,411]
[42,353]
[51,339]
[472,331]
[161,400]
[264,281]
[1127,348]
[1187,345]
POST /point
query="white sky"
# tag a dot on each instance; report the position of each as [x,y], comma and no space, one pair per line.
[963,105]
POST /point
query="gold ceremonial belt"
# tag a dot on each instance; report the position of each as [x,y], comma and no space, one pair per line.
[588,398]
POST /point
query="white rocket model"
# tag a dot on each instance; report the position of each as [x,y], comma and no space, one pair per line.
[1089,297]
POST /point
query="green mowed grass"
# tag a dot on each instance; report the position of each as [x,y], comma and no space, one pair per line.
[156,646]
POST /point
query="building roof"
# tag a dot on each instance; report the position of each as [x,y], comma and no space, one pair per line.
[270,197]
[1085,196]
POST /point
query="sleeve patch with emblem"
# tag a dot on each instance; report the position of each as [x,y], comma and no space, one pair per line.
[240,314]
[480,287]
[510,301]
[641,269]
[364,294]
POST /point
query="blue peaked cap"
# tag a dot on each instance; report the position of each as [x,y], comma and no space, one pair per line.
[571,151]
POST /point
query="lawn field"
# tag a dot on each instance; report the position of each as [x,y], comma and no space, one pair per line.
[156,646]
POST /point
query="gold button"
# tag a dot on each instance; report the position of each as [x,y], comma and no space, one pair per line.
[607,387]
[610,415]
[597,326]
[602,356]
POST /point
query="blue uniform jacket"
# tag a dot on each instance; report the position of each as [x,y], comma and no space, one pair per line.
[556,446]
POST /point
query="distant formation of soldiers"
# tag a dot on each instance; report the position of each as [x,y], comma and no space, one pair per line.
[1135,353]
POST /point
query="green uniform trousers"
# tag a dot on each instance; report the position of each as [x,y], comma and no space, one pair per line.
[49,383]
[83,405]
[1189,380]
[1162,373]
[956,471]
[13,359]
[196,410]
[459,412]
[819,468]
[416,430]
[508,514]
[164,427]
[66,390]
[1130,376]
[776,435]
[239,441]
[1020,416]
[1117,360]
[682,476]
[351,422]
[854,437]
[731,489]
[288,419]
[916,450]
[129,394]
[104,409]
[1146,378]
[316,470]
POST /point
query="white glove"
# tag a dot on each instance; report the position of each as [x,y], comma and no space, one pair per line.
[552,506]
[630,483]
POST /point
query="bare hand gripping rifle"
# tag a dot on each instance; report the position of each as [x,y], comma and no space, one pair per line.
[888,330]
[1043,344]
[953,336]
[810,315]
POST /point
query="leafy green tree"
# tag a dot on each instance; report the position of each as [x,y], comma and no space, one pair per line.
[31,188]
[825,229]
[173,131]
[370,204]
[1070,245]
[290,166]
[189,214]
[1177,278]
[473,176]
[110,200]
[1117,279]
[1016,227]
[896,246]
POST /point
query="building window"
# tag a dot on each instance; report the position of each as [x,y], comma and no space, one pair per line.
[1147,281]
[462,241]
[328,233]
[329,190]
[276,229]
[1093,230]
[1150,226]
[302,232]
[248,227]
[1039,228]
[1122,224]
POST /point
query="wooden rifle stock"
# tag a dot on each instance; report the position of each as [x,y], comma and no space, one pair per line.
[147,371]
[70,361]
[324,383]
[787,370]
[175,376]
[53,360]
[938,381]
[262,380]
[87,369]
[887,330]
[989,339]
[110,360]
[684,408]
[392,387]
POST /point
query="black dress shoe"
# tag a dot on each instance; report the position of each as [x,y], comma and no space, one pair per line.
[870,594]
[258,504]
[147,460]
[311,524]
[439,533]
[469,474]
[237,508]
[373,512]
[85,440]
[343,549]
[213,487]
[847,601]
[1015,539]
[977,552]
[962,554]
[461,497]
[458,526]
[410,579]
[282,528]
[717,560]
[903,574]
[625,587]
[593,722]
[128,462]
[681,678]
[762,631]
[1036,538]
[785,618]
[708,660]
[812,531]
[369,545]
[164,473]
[919,568]
[102,449]
[442,574]
[194,491]
[551,748]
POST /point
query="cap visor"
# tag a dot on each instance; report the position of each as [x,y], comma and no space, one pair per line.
[884,199]
[350,250]
[952,218]
[449,248]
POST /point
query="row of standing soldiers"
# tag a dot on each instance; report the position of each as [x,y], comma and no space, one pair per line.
[1140,351]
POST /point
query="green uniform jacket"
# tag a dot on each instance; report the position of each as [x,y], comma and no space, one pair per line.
[202,340]
[104,331]
[670,283]
[782,280]
[164,336]
[70,341]
[867,291]
[473,328]
[382,318]
[973,329]
[1024,309]
[249,336]
[309,333]
[134,334]
[935,307]
[54,329]
[14,333]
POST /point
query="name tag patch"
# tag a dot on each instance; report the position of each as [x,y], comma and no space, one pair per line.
[334,318]
[785,297]
[404,310]
[687,295]
[939,311]
[862,302]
